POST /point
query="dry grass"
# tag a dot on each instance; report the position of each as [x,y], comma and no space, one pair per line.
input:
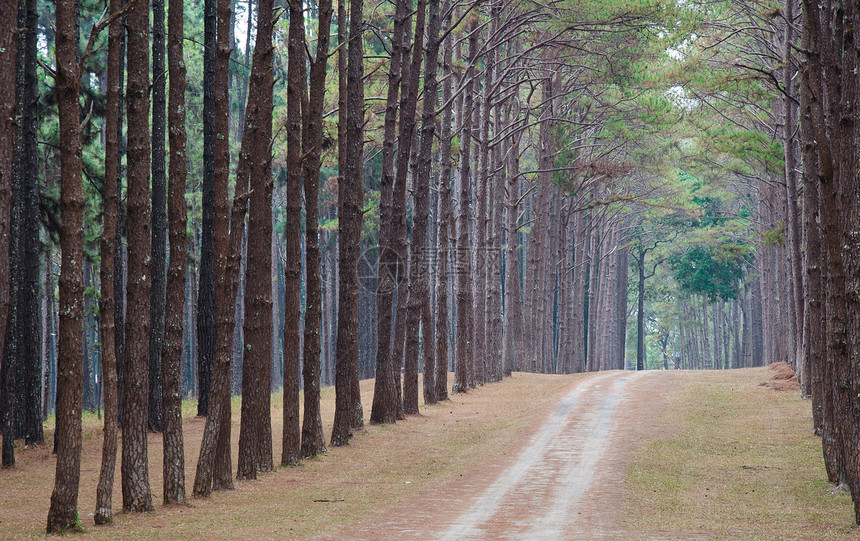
[382,467]
[741,462]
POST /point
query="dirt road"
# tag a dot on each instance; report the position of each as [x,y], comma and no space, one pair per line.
[564,482]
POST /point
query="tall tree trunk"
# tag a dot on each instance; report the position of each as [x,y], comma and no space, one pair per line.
[818,155]
[418,266]
[594,250]
[706,340]
[384,406]
[621,310]
[791,147]
[63,513]
[718,352]
[832,95]
[119,261]
[313,440]
[28,377]
[238,331]
[419,281]
[565,294]
[9,364]
[206,287]
[346,333]
[482,217]
[640,309]
[255,436]
[292,232]
[350,200]
[136,495]
[47,367]
[214,468]
[399,229]
[159,218]
[537,280]
[494,236]
[464,363]
[8,135]
[813,315]
[512,350]
[104,491]
[443,216]
[171,358]
[577,325]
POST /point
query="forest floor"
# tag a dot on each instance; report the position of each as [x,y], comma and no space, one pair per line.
[614,455]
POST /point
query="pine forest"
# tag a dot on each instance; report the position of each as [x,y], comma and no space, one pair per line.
[217,210]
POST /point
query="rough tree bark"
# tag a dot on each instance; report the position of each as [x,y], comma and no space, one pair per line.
[399,230]
[8,134]
[104,491]
[384,406]
[27,364]
[214,468]
[171,356]
[421,292]
[463,366]
[350,199]
[9,355]
[63,513]
[494,236]
[255,436]
[418,265]
[136,495]
[483,228]
[159,218]
[292,232]
[444,215]
[791,148]
[313,440]
[119,275]
[813,315]
[206,286]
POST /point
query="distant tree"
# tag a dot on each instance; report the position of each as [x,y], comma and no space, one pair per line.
[714,272]
[644,239]
[512,347]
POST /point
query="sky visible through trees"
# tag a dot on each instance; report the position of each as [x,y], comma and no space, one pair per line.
[290,195]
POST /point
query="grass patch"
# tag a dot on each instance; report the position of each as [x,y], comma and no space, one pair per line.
[740,462]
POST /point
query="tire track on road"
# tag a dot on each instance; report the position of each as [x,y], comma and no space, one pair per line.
[538,496]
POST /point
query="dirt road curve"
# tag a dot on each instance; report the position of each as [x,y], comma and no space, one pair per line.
[565,482]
